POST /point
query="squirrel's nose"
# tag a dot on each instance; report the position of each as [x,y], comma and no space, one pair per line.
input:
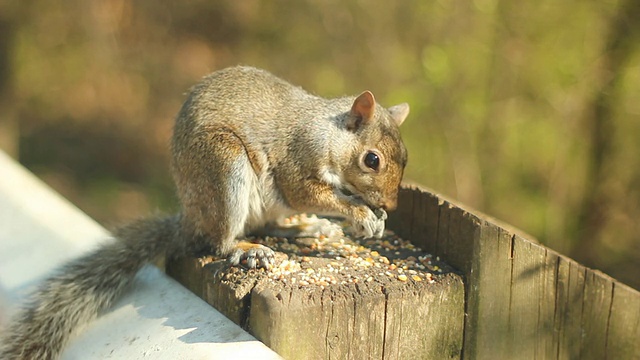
[389,204]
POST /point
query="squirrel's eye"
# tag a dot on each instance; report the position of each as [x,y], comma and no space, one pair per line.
[372,160]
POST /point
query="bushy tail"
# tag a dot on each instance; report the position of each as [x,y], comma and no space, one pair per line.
[83,287]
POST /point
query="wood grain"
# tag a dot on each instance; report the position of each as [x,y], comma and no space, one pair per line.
[523,300]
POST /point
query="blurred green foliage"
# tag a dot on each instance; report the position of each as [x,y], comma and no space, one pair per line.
[526,110]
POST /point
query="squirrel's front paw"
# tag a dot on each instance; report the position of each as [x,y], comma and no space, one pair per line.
[369,223]
[256,255]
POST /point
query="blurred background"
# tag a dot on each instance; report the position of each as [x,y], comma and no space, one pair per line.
[526,110]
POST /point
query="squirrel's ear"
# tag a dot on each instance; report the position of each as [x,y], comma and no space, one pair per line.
[361,110]
[399,112]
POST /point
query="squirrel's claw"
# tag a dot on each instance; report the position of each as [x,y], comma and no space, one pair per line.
[371,224]
[256,255]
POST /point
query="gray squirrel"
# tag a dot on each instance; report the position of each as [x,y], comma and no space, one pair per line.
[247,149]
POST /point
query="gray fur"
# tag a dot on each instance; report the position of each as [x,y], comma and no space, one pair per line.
[80,289]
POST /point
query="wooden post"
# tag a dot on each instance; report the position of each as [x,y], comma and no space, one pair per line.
[376,314]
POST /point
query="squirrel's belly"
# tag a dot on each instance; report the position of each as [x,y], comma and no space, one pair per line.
[265,201]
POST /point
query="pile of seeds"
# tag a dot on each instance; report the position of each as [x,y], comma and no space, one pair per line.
[319,260]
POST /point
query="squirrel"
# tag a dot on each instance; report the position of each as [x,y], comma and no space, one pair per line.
[247,148]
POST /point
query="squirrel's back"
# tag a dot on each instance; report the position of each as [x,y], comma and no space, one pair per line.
[259,103]
[240,95]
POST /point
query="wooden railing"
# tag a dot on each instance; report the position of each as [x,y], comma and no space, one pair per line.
[522,300]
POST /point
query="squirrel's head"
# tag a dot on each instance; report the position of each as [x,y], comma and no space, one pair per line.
[379,156]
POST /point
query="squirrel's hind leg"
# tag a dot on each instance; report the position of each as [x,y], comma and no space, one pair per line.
[219,195]
[246,207]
